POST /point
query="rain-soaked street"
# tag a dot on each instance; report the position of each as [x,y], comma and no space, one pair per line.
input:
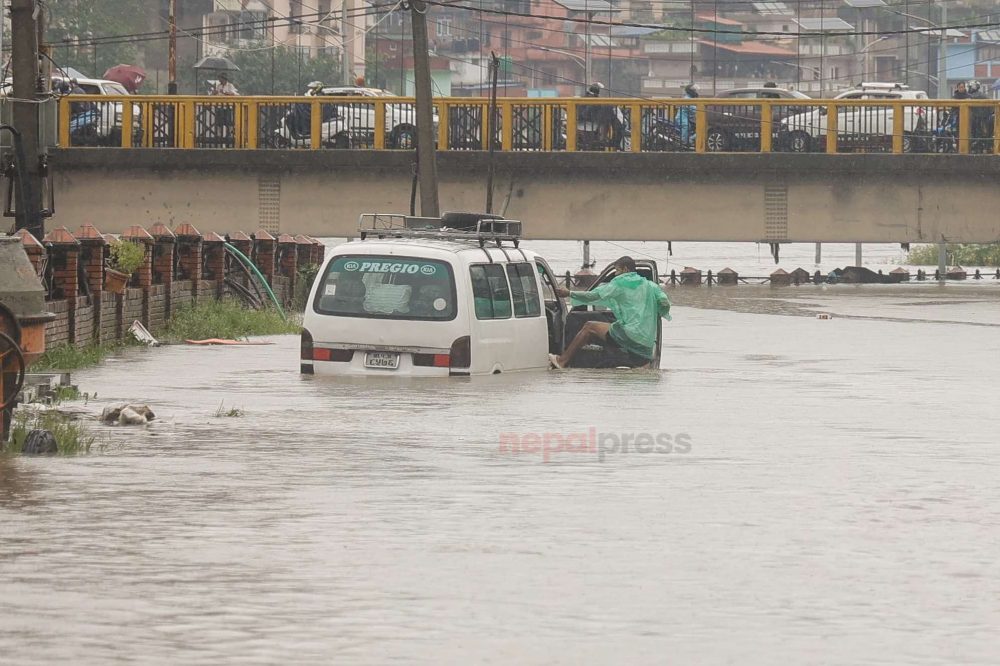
[829,496]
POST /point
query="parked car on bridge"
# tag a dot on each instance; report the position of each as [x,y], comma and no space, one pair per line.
[353,124]
[738,127]
[98,123]
[860,127]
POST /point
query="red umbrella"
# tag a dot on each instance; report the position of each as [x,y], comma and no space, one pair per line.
[130,76]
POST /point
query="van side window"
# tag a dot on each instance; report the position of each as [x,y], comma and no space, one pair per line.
[490,291]
[524,290]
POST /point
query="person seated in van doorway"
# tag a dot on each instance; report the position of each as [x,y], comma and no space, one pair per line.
[635,302]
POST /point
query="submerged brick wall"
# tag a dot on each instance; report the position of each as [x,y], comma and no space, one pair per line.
[85,313]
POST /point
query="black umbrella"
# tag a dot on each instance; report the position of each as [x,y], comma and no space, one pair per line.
[217,63]
[213,63]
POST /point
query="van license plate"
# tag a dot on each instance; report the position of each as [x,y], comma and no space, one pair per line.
[384,360]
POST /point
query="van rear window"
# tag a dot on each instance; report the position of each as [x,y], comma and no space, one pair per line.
[387,287]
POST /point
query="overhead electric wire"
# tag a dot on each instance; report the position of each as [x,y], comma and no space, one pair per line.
[710,31]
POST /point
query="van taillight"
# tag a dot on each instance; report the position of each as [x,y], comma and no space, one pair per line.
[461,353]
[339,355]
[432,360]
[306,348]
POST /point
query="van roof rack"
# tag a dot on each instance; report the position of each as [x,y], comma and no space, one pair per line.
[479,227]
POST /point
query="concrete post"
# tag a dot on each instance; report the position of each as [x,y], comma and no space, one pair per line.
[728,276]
[819,253]
[942,260]
[781,278]
[857,254]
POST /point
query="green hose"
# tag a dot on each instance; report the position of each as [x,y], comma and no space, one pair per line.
[242,257]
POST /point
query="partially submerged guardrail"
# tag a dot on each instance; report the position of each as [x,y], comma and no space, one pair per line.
[534,124]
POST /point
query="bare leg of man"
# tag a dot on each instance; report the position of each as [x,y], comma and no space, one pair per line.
[592,331]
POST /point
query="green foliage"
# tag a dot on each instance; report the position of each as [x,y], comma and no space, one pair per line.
[127,256]
[232,412]
[965,254]
[227,320]
[69,357]
[281,71]
[303,284]
[71,436]
[70,21]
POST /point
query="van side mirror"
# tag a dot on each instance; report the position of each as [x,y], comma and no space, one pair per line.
[822,110]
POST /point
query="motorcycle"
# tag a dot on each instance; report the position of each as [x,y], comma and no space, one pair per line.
[293,129]
[85,128]
[602,128]
[676,134]
[944,139]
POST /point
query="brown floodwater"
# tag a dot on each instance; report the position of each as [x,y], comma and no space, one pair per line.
[787,489]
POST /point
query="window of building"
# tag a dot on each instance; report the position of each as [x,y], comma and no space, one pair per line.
[444,27]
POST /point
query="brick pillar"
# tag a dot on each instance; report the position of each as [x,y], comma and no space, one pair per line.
[34,250]
[265,247]
[64,258]
[119,298]
[163,264]
[143,277]
[189,255]
[214,260]
[288,257]
[242,242]
[304,249]
[318,251]
[93,250]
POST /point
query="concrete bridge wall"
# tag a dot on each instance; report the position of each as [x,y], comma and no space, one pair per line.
[597,196]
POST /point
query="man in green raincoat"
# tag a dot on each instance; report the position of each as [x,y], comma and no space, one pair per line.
[636,303]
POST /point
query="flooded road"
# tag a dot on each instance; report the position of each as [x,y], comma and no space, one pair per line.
[829,496]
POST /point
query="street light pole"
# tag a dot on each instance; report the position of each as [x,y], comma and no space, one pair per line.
[942,83]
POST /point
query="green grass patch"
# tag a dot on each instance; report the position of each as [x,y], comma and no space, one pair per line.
[232,412]
[69,357]
[964,254]
[227,320]
[72,436]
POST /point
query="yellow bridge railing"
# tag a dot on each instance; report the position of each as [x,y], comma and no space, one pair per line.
[534,124]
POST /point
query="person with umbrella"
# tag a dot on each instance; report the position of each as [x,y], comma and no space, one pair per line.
[224,87]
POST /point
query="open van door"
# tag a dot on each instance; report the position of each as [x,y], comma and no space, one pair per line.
[555,307]
[595,355]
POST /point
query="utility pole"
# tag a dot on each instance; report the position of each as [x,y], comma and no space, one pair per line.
[26,24]
[942,78]
[172,47]
[345,55]
[426,154]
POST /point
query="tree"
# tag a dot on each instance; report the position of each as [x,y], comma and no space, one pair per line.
[73,25]
[282,70]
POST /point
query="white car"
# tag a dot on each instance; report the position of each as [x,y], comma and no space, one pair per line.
[862,127]
[353,124]
[103,125]
[442,297]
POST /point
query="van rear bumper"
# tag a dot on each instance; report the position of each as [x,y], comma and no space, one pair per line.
[412,362]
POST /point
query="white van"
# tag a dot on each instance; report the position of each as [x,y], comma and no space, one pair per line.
[438,297]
